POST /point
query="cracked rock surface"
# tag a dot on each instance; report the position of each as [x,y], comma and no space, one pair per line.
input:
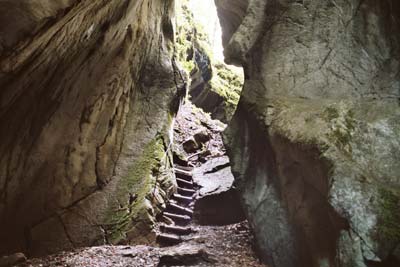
[314,142]
[214,176]
[218,200]
[88,90]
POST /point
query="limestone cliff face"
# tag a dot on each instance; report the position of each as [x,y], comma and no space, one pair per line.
[315,140]
[88,91]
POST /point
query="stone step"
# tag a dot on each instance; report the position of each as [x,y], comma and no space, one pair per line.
[183,177]
[169,239]
[186,175]
[185,168]
[177,230]
[186,192]
[177,218]
[186,178]
[174,201]
[167,220]
[184,183]
[183,199]
[180,209]
[179,161]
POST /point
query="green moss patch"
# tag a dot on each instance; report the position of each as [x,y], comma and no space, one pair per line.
[389,225]
[342,125]
[191,37]
[185,36]
[133,190]
[226,83]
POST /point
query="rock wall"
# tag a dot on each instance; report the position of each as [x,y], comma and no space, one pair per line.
[314,142]
[218,96]
[214,87]
[88,94]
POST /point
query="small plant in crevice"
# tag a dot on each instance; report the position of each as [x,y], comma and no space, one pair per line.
[342,125]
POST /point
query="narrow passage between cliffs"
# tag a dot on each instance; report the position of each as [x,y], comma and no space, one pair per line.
[203,224]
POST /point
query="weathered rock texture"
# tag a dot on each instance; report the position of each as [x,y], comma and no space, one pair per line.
[314,143]
[219,95]
[87,98]
[218,201]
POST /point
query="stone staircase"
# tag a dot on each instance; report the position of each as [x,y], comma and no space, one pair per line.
[179,211]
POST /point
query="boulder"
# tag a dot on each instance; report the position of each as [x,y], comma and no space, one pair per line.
[191,146]
[185,255]
[218,202]
[202,137]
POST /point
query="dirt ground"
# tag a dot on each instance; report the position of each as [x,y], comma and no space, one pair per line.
[229,245]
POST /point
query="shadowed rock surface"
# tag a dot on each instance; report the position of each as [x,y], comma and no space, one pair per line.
[314,143]
[217,201]
[88,91]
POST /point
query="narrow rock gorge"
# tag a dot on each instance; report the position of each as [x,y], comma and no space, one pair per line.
[105,160]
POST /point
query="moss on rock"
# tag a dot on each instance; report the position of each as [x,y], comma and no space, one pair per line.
[139,184]
[389,226]
[227,83]
[194,54]
[342,124]
[360,140]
